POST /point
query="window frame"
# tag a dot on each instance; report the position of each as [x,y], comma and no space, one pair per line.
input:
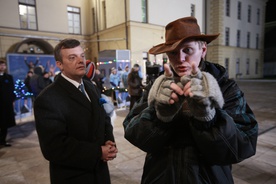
[144,7]
[27,15]
[238,38]
[248,40]
[258,16]
[247,66]
[249,12]
[227,8]
[257,66]
[73,20]
[226,64]
[193,7]
[239,10]
[227,36]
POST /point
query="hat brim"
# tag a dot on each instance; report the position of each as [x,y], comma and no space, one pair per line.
[163,47]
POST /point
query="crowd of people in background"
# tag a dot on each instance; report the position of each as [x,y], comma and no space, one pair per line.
[37,78]
[192,121]
[130,81]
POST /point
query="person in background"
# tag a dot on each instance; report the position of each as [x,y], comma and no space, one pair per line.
[124,77]
[194,122]
[114,78]
[135,87]
[105,101]
[120,72]
[99,80]
[30,64]
[75,134]
[37,81]
[47,80]
[7,98]
[27,81]
[26,108]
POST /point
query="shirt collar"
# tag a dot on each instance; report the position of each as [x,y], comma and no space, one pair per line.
[75,83]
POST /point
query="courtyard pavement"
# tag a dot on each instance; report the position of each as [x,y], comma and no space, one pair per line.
[23,163]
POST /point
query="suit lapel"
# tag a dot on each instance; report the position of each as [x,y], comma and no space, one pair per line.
[73,92]
[94,97]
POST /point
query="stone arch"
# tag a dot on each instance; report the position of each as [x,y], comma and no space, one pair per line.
[32,46]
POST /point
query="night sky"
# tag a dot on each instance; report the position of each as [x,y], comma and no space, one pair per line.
[270,11]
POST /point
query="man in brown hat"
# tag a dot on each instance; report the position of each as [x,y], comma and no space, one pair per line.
[195,122]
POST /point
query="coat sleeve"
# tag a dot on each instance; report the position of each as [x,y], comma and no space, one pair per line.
[56,145]
[132,82]
[232,136]
[143,129]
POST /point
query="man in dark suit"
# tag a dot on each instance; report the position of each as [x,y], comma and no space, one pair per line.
[7,98]
[74,132]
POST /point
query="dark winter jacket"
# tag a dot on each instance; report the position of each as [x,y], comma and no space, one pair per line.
[189,151]
[134,84]
[37,81]
[7,97]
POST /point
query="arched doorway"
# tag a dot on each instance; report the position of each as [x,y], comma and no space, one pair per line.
[32,46]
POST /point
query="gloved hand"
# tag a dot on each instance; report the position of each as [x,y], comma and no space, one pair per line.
[203,94]
[166,95]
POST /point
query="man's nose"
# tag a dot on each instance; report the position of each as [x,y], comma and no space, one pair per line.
[82,60]
[182,56]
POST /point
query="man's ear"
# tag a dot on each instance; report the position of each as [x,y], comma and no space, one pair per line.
[204,50]
[59,65]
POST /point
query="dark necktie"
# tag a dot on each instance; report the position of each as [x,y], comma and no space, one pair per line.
[81,88]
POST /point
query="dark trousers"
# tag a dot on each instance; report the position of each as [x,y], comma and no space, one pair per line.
[133,99]
[3,135]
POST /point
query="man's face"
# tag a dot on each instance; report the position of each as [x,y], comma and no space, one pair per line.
[2,67]
[188,53]
[73,63]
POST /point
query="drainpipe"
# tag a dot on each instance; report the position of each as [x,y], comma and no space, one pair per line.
[126,27]
[97,26]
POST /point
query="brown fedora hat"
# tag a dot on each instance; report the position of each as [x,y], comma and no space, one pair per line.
[179,31]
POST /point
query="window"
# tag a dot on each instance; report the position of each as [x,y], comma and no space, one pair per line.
[238,38]
[227,64]
[227,10]
[104,15]
[227,33]
[257,41]
[249,14]
[258,16]
[27,13]
[144,11]
[192,10]
[239,10]
[73,19]
[257,66]
[238,66]
[248,40]
[94,20]
[247,66]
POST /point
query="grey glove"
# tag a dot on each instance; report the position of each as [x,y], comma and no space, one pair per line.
[206,95]
[159,96]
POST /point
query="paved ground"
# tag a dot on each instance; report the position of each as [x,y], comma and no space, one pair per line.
[23,163]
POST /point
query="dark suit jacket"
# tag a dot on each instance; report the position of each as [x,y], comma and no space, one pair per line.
[7,97]
[71,130]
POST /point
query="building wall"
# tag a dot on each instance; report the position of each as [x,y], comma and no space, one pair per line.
[115,12]
[51,15]
[52,23]
[106,28]
[9,13]
[218,21]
